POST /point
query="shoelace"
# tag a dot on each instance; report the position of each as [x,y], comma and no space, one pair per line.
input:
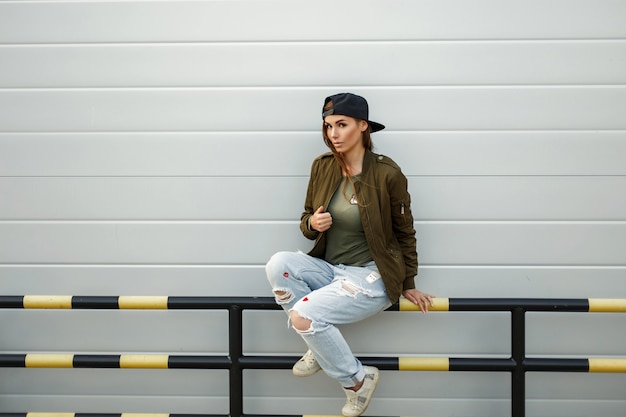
[309,360]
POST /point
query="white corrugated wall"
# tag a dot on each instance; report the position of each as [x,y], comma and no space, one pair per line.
[163,148]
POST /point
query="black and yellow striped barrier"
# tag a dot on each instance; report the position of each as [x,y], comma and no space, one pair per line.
[129,361]
[445,364]
[591,305]
[132,302]
[236,361]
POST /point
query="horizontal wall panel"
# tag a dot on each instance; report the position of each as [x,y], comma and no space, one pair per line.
[518,198]
[398,393]
[226,109]
[227,21]
[558,334]
[466,390]
[265,64]
[156,280]
[267,332]
[575,386]
[104,403]
[115,331]
[399,385]
[145,198]
[451,243]
[176,384]
[161,154]
[206,333]
[291,153]
[583,394]
[96,402]
[507,153]
[230,198]
[249,281]
[415,388]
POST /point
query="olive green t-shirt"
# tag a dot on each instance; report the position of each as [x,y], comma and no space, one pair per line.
[346,242]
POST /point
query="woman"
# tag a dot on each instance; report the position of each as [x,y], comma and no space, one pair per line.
[357,209]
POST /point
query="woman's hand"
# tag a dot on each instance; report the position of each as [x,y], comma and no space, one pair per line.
[423,300]
[320,220]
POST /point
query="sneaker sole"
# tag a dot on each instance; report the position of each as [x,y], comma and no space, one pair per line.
[305,374]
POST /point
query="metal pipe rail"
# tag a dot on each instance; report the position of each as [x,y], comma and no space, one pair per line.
[517,364]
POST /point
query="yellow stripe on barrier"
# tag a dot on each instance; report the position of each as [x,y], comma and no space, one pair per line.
[607,305]
[132,302]
[49,360]
[607,365]
[47,301]
[423,364]
[439,304]
[144,361]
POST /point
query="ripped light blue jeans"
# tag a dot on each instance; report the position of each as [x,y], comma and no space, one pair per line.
[328,295]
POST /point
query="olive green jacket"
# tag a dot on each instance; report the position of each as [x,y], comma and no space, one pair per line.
[385,209]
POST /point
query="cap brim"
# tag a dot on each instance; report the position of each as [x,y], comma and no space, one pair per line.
[375,126]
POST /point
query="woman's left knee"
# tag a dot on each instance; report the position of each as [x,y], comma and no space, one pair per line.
[299,323]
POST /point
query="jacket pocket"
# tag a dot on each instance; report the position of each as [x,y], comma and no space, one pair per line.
[400,213]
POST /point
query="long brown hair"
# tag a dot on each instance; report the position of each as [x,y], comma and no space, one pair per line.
[366,139]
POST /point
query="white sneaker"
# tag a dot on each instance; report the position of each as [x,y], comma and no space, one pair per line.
[306,365]
[359,400]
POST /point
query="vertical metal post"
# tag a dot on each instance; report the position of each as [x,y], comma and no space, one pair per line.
[518,352]
[235,351]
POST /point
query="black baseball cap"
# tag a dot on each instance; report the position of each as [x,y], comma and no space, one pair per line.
[349,104]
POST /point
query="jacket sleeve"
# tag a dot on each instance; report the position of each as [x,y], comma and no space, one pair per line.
[308,205]
[403,227]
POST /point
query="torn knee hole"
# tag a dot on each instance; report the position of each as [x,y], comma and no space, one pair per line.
[299,323]
[283,296]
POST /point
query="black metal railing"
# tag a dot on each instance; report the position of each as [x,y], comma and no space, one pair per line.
[517,364]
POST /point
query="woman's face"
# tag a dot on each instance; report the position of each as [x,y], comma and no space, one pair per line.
[344,132]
